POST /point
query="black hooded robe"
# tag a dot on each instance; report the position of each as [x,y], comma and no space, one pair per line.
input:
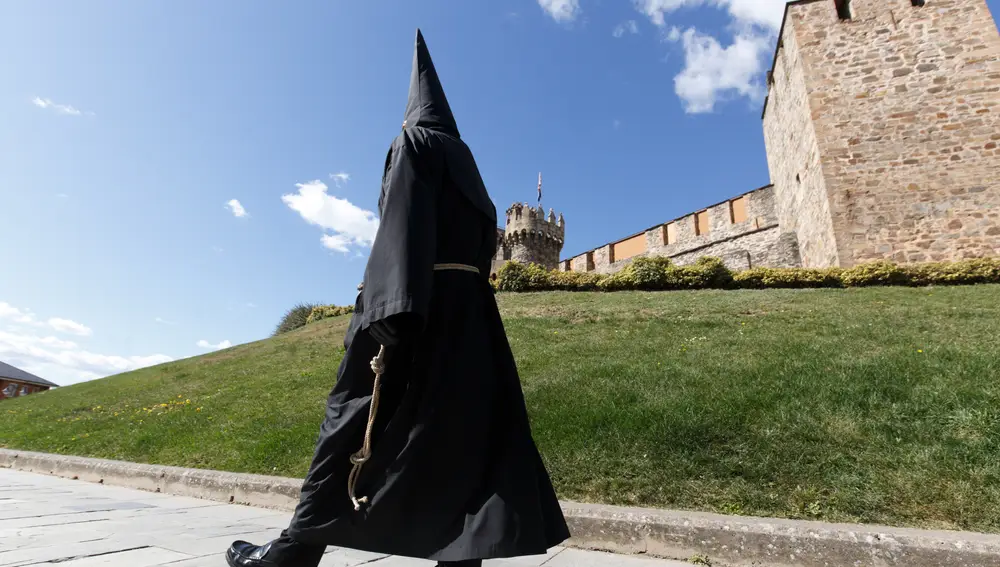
[454,472]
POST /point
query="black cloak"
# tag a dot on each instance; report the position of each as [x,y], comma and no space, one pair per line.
[454,472]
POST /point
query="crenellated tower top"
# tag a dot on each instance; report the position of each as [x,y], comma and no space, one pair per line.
[524,220]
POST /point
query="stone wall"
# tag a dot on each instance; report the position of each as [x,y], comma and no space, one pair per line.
[533,248]
[793,156]
[755,240]
[905,104]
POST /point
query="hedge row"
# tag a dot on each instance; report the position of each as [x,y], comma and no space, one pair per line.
[648,274]
[652,274]
[325,311]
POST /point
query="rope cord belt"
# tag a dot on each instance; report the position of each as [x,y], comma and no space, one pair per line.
[362,456]
[459,267]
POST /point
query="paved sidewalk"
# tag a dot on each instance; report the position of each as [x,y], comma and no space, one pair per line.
[49,520]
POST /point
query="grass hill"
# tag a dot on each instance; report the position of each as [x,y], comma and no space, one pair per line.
[876,405]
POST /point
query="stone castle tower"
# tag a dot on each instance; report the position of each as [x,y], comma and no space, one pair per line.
[881,126]
[530,237]
[882,133]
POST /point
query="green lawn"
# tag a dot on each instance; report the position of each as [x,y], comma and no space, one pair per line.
[873,405]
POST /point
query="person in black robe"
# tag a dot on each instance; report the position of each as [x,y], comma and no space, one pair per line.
[426,450]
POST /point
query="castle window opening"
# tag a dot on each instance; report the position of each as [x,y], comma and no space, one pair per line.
[590,261]
[738,210]
[917,3]
[701,223]
[568,266]
[843,9]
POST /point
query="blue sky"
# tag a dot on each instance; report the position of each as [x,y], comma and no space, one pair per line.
[174,175]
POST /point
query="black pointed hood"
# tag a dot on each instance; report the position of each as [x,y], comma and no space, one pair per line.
[427,106]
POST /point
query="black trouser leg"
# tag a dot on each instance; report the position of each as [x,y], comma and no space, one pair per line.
[287,551]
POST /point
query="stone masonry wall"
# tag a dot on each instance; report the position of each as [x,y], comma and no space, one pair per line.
[793,156]
[905,102]
[757,241]
[532,248]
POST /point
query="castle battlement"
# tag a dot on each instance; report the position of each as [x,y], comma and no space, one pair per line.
[743,231]
[525,221]
[530,236]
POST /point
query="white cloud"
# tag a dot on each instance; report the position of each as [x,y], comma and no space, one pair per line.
[340,178]
[56,359]
[350,224]
[713,72]
[205,344]
[66,362]
[626,27]
[23,316]
[336,242]
[562,11]
[163,321]
[236,208]
[60,108]
[766,13]
[71,327]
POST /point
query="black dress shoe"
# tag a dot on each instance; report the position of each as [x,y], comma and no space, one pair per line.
[282,552]
[244,554]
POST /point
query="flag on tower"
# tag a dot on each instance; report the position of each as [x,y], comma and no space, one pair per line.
[539,187]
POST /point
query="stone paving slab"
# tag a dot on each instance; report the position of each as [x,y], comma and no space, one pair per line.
[47,521]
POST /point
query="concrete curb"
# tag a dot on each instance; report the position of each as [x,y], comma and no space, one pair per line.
[719,540]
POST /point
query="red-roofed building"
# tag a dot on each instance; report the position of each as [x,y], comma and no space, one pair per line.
[15,382]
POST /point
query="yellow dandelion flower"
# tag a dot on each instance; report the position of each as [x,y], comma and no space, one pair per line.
[199,409]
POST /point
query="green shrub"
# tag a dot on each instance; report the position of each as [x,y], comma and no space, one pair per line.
[622,280]
[574,281]
[320,312]
[764,278]
[964,272]
[515,276]
[707,273]
[644,273]
[880,272]
[295,318]
[651,273]
[659,273]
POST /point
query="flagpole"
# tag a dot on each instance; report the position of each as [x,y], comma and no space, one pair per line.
[539,187]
